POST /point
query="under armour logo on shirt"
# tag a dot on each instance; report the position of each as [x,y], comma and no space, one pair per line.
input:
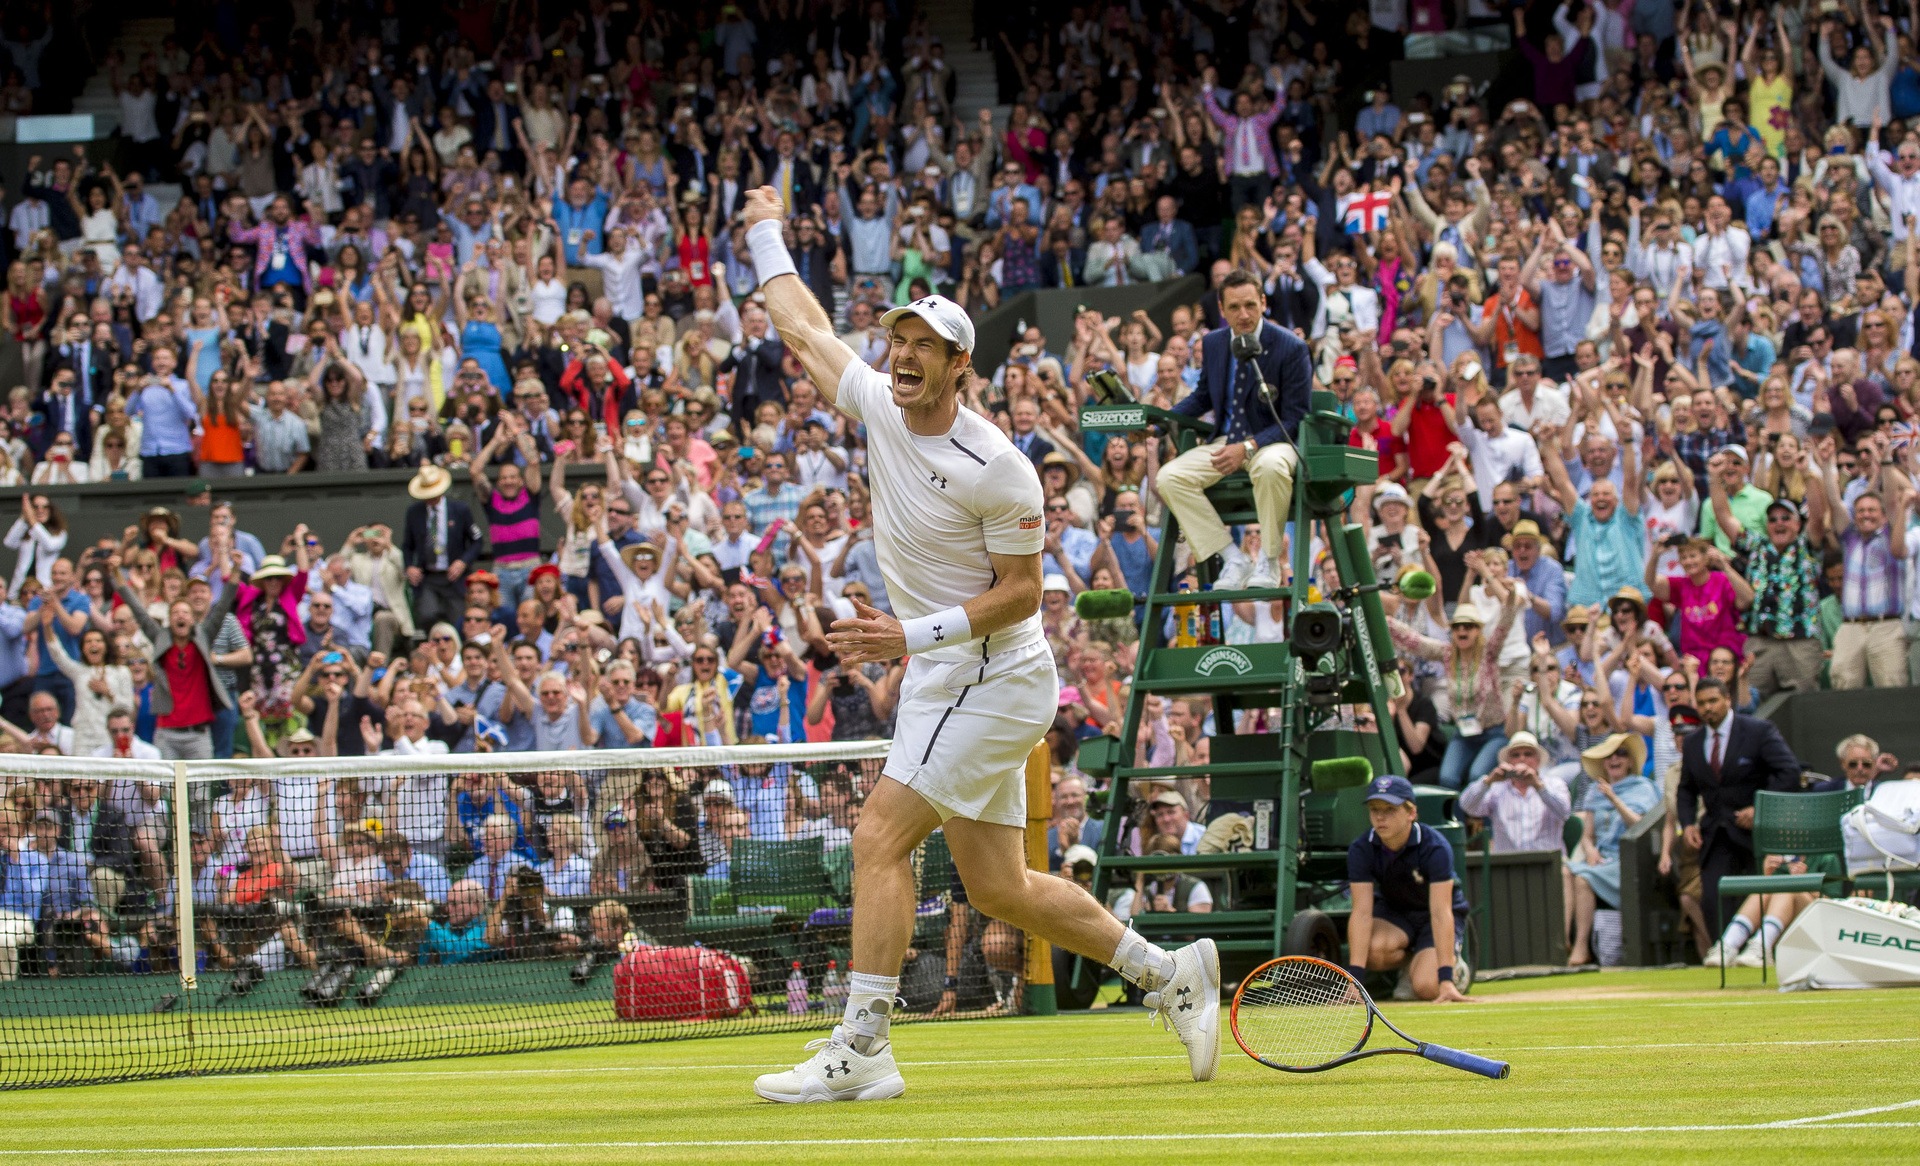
[937,480]
[938,635]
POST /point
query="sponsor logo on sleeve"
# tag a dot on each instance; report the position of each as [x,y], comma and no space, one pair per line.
[1030,522]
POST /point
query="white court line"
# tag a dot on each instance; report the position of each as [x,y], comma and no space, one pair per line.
[988,1140]
[1800,1121]
[319,1074]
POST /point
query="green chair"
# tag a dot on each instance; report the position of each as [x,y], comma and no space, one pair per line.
[1793,823]
[790,875]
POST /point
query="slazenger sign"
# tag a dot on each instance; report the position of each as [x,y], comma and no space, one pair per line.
[1115,417]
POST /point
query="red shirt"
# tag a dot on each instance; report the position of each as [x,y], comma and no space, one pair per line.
[1427,439]
[192,688]
[1385,445]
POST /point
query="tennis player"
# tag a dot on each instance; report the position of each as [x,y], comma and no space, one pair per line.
[958,532]
[1407,908]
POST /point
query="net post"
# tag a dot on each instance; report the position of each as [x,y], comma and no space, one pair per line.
[1041,999]
[183,880]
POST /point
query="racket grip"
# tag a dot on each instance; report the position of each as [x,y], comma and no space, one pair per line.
[1442,1055]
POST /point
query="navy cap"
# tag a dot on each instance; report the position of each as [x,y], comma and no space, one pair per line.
[1390,788]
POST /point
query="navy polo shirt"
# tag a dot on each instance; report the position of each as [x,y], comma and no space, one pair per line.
[1400,878]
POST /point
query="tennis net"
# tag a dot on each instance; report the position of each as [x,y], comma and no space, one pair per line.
[360,909]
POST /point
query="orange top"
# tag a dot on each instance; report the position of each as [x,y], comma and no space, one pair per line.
[220,441]
[1509,328]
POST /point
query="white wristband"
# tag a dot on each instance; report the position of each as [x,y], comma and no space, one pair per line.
[769,249]
[937,630]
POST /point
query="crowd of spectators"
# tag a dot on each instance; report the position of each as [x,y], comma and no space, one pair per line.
[1634,345]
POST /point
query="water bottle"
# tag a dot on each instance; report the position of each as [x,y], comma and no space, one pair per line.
[833,990]
[1210,621]
[797,991]
[1183,620]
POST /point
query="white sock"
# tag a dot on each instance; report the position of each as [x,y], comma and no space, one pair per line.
[1770,929]
[1232,554]
[869,1010]
[1142,963]
[1736,936]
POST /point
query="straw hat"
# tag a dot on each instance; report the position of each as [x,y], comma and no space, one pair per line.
[1468,614]
[429,483]
[1525,528]
[1630,595]
[1594,760]
[629,553]
[271,567]
[1521,740]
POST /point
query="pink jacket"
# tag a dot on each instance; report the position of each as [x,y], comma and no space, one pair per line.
[301,235]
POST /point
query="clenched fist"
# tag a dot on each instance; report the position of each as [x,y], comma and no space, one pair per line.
[763,204]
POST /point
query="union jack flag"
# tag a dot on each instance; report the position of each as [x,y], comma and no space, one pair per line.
[1367,212]
[1905,434]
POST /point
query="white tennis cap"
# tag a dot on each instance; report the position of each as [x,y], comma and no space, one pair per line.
[945,317]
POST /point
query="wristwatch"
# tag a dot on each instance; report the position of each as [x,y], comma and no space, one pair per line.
[1250,446]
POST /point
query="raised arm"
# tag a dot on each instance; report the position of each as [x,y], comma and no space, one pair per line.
[802,323]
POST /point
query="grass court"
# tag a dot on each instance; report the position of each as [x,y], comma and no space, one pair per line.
[1616,1067]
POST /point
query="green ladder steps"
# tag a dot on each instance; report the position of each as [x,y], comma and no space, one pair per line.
[1208,922]
[1216,668]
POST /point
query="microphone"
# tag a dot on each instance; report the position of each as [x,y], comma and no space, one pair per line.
[1338,773]
[1245,347]
[1114,604]
[1416,585]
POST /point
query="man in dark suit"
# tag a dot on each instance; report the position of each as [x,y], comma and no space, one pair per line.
[1253,426]
[813,254]
[789,172]
[494,119]
[1721,767]
[66,409]
[440,546]
[1171,234]
[755,365]
[92,364]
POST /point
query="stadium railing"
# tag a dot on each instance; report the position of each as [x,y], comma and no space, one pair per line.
[360,909]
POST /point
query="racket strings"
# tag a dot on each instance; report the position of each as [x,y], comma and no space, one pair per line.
[1301,1014]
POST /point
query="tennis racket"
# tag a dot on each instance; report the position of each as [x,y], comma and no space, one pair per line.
[1304,1015]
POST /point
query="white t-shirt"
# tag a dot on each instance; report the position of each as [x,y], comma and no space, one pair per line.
[941,505]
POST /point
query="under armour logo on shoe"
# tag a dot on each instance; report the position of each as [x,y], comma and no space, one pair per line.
[1185,1005]
[842,1071]
[937,480]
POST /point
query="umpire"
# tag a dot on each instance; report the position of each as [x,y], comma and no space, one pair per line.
[1253,432]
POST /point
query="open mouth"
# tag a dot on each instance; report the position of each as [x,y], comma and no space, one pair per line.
[908,378]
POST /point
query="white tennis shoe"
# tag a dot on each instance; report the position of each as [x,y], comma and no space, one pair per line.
[1265,576]
[835,1073]
[1751,955]
[1188,1005]
[1234,570]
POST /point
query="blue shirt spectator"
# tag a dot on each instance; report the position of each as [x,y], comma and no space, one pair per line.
[611,734]
[13,643]
[584,210]
[170,418]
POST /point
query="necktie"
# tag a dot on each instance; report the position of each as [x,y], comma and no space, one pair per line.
[1719,743]
[437,521]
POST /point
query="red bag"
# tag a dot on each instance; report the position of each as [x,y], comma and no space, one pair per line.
[680,983]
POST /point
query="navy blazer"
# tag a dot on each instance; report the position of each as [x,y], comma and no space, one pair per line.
[1757,757]
[1286,364]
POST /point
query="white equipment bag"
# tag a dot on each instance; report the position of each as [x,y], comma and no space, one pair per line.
[1883,833]
[1851,943]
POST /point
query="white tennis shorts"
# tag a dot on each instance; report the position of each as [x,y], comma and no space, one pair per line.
[964,730]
